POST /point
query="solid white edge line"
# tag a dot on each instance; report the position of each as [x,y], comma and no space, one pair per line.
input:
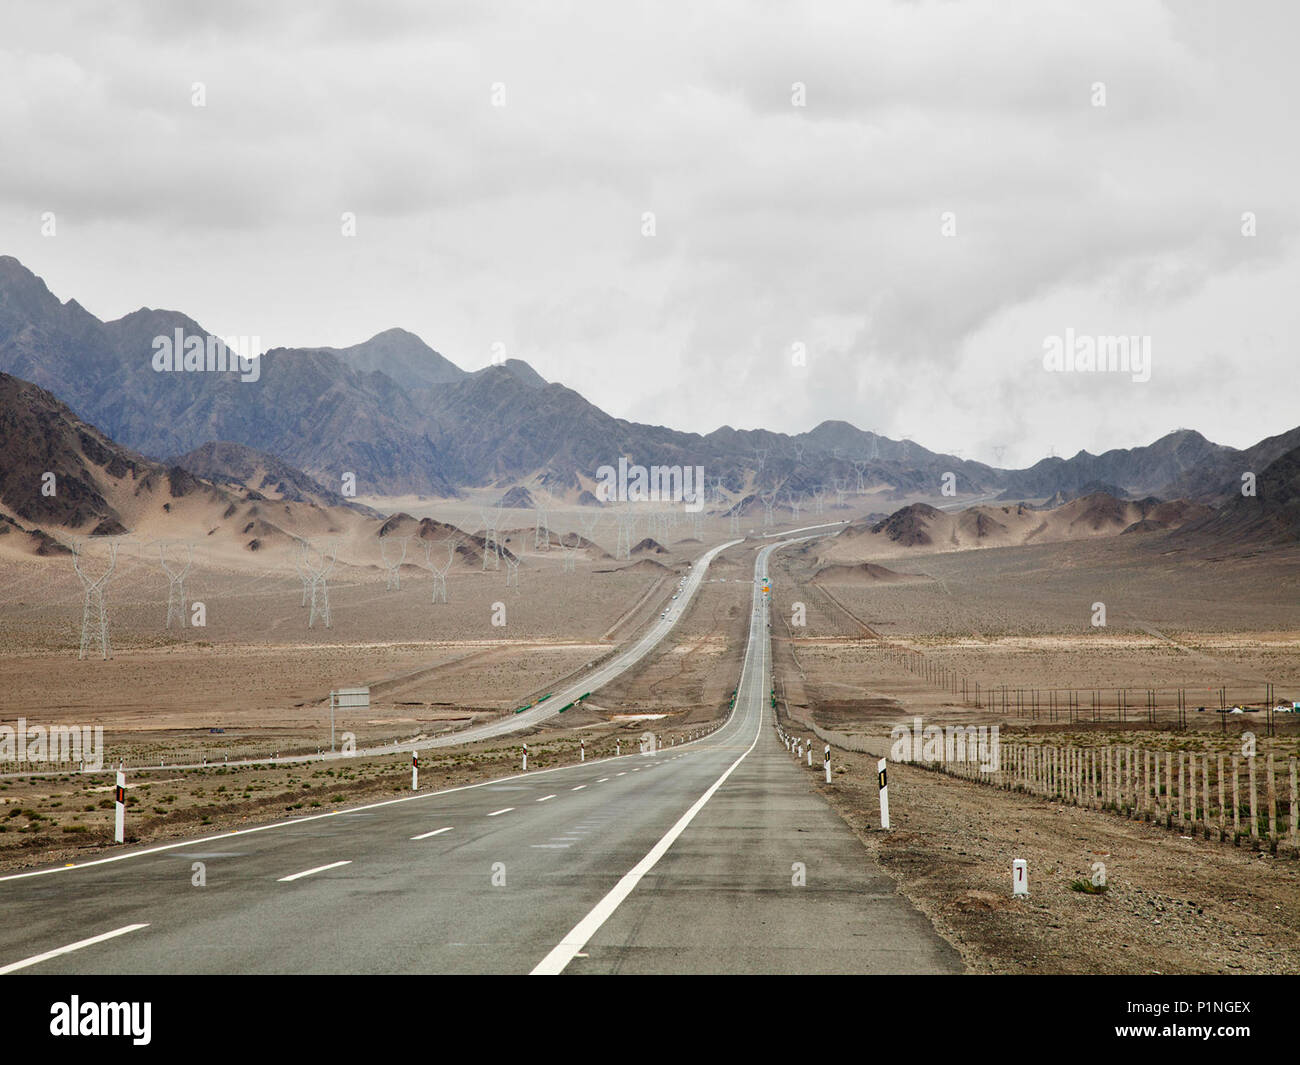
[15,966]
[435,832]
[309,872]
[554,963]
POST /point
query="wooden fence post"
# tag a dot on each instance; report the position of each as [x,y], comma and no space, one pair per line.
[1205,789]
[1222,795]
[1254,812]
[1155,768]
[1182,787]
[1272,799]
[1295,810]
[1169,787]
[1236,795]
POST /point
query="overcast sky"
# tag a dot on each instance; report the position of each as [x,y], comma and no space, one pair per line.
[775,224]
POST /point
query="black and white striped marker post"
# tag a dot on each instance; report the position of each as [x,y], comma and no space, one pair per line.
[525,758]
[582,757]
[826,761]
[415,770]
[119,794]
[884,793]
[810,754]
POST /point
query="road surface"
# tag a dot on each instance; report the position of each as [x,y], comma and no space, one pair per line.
[588,682]
[683,860]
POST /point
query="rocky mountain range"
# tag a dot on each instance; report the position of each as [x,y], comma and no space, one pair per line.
[402,418]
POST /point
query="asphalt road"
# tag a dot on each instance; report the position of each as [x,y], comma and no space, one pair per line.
[676,861]
[590,681]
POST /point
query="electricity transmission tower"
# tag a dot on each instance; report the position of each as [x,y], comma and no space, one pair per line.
[176,570]
[718,497]
[769,504]
[626,531]
[299,562]
[859,466]
[318,561]
[570,552]
[589,523]
[394,566]
[94,611]
[512,571]
[491,538]
[840,488]
[440,572]
[819,493]
[794,506]
[542,505]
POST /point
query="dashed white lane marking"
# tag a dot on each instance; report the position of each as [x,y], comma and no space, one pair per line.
[545,797]
[578,788]
[602,780]
[551,846]
[498,813]
[35,959]
[620,774]
[309,872]
[581,933]
[435,832]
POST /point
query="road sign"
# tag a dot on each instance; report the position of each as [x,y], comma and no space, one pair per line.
[347,699]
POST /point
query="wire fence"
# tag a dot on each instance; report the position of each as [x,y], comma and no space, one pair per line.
[1230,797]
[1165,706]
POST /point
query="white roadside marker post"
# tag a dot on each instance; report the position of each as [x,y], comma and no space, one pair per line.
[1019,877]
[415,770]
[525,758]
[582,757]
[884,794]
[826,759]
[618,748]
[810,753]
[119,793]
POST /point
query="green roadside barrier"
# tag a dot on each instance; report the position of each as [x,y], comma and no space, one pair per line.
[565,707]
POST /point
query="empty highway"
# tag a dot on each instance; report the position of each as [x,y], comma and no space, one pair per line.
[678,861]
